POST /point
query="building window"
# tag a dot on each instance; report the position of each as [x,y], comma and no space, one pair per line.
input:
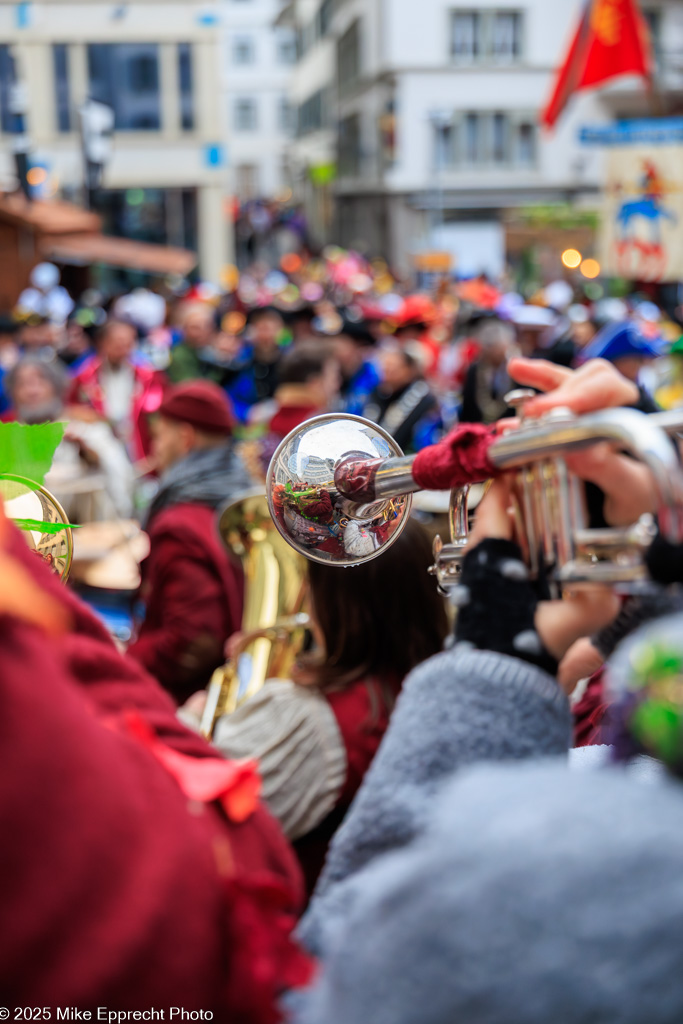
[325,16]
[243,50]
[60,61]
[484,139]
[246,114]
[653,17]
[285,115]
[126,77]
[246,181]
[186,86]
[466,35]
[7,80]
[348,57]
[444,146]
[286,47]
[486,35]
[506,36]
[500,139]
[312,114]
[349,147]
[526,144]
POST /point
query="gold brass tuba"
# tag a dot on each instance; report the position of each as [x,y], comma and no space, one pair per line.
[274,621]
[42,520]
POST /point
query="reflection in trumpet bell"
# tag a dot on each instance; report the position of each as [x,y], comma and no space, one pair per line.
[306,504]
[42,520]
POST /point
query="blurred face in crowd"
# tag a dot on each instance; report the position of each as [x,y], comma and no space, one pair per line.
[496,342]
[198,328]
[37,336]
[171,442]
[583,333]
[630,366]
[226,345]
[265,331]
[348,354]
[397,370]
[34,395]
[118,344]
[77,340]
[328,383]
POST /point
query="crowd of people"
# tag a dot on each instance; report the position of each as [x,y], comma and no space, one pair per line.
[422,823]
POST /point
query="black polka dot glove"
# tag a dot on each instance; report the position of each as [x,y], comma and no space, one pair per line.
[497,601]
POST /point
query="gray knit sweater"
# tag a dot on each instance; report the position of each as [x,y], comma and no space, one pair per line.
[460,707]
[535,895]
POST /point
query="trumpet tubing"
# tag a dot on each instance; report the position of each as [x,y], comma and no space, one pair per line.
[336,470]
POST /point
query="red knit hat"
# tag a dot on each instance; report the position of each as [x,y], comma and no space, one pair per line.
[200,403]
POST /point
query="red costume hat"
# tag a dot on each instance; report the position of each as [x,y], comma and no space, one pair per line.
[200,403]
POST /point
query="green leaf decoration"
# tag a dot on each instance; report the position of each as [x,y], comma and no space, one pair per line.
[40,526]
[659,727]
[28,451]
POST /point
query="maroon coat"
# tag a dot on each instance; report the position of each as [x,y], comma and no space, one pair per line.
[115,890]
[362,714]
[193,594]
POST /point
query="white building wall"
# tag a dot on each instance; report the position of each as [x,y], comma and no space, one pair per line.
[168,158]
[265,81]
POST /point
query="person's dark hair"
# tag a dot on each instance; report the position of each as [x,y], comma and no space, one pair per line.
[261,312]
[51,369]
[381,618]
[358,332]
[106,328]
[304,362]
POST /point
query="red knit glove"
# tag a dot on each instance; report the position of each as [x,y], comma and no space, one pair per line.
[461,458]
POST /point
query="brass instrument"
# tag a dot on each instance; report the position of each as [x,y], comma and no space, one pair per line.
[42,520]
[274,621]
[336,466]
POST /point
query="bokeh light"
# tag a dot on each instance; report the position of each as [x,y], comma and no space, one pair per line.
[36,177]
[571,258]
[590,269]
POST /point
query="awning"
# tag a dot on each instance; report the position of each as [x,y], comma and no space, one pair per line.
[84,249]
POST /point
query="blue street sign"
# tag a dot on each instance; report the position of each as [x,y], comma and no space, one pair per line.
[646,131]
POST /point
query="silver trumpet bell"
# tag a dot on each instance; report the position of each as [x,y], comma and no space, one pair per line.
[339,492]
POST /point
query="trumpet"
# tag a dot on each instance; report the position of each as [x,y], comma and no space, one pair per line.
[339,491]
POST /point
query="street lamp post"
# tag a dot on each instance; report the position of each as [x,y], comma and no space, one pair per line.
[97,134]
[440,120]
[21,144]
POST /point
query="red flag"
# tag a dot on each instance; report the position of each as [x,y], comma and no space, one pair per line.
[612,39]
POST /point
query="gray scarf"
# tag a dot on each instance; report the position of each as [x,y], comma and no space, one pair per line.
[209,477]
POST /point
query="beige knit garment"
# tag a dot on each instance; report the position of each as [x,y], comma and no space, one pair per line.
[292,732]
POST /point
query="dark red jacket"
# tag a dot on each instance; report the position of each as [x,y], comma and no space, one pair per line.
[362,712]
[115,890]
[192,591]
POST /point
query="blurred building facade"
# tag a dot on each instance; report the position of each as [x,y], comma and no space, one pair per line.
[420,118]
[157,64]
[257,61]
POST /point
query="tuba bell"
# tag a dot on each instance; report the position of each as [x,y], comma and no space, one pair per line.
[274,619]
[41,519]
[321,481]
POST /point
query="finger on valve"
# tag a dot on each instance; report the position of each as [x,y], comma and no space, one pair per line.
[494,516]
